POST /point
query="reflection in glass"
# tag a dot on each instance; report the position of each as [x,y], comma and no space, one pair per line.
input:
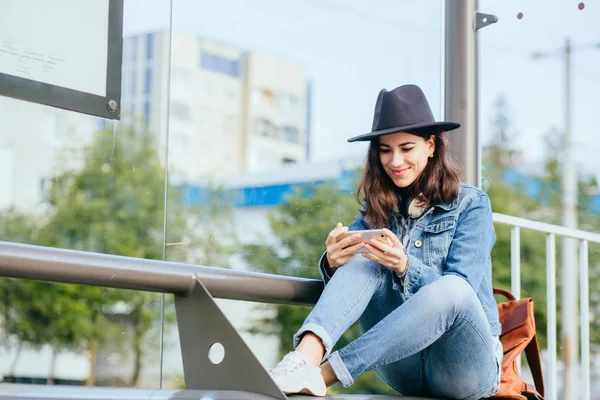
[299,79]
[76,182]
[92,190]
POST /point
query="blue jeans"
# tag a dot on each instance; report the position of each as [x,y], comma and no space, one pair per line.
[436,343]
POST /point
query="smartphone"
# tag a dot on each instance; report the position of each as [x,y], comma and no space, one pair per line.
[365,236]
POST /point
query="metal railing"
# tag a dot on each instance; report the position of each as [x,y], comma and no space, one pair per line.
[19,260]
[194,288]
[68,266]
[551,232]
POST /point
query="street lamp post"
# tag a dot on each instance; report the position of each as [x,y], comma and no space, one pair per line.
[569,270]
[569,252]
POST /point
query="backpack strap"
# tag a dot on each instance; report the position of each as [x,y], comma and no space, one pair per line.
[505,293]
[533,359]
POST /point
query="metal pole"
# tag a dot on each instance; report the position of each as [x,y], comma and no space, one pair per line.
[584,285]
[460,95]
[569,251]
[551,374]
[515,269]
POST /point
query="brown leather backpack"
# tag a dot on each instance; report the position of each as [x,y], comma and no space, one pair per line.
[518,334]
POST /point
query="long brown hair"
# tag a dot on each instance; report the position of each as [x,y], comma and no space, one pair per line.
[438,183]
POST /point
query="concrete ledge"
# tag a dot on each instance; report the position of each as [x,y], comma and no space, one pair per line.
[39,392]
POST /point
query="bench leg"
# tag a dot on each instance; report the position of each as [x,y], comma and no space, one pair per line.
[201,324]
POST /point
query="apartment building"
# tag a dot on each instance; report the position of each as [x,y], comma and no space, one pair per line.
[230,111]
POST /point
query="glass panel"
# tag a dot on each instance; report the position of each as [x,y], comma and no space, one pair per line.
[537,88]
[266,95]
[78,182]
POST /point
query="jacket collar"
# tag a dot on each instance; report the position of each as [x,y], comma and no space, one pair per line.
[448,206]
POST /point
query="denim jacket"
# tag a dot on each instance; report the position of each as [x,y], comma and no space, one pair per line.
[454,238]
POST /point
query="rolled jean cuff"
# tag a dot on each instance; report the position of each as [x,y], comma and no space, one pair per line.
[340,370]
[317,330]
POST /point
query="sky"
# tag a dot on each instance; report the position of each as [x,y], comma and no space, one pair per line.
[351,49]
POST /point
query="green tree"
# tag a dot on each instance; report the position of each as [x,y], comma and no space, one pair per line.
[499,159]
[208,240]
[587,186]
[38,313]
[513,200]
[210,233]
[113,204]
[499,154]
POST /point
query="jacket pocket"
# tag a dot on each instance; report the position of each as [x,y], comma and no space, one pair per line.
[439,233]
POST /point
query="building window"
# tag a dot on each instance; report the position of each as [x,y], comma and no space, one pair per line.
[256,97]
[133,82]
[180,111]
[149,46]
[148,84]
[236,69]
[265,128]
[288,160]
[134,48]
[269,97]
[41,381]
[288,101]
[222,65]
[263,97]
[147,111]
[290,134]
[45,187]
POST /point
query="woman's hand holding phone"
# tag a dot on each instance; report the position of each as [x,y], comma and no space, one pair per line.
[338,253]
[390,256]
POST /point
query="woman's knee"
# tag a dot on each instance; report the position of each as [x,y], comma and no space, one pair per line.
[450,292]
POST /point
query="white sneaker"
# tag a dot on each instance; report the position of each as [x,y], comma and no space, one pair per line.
[295,374]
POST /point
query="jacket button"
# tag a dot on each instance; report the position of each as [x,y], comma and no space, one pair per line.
[418,243]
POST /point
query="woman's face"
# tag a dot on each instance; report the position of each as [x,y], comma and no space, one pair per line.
[404,156]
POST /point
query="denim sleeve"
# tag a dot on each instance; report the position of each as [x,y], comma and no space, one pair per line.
[469,252]
[357,225]
[417,276]
[322,269]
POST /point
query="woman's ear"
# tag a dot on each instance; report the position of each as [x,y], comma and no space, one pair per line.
[431,144]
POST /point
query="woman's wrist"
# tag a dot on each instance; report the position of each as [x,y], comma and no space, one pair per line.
[328,268]
[401,273]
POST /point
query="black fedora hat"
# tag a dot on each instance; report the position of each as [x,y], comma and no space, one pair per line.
[404,109]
